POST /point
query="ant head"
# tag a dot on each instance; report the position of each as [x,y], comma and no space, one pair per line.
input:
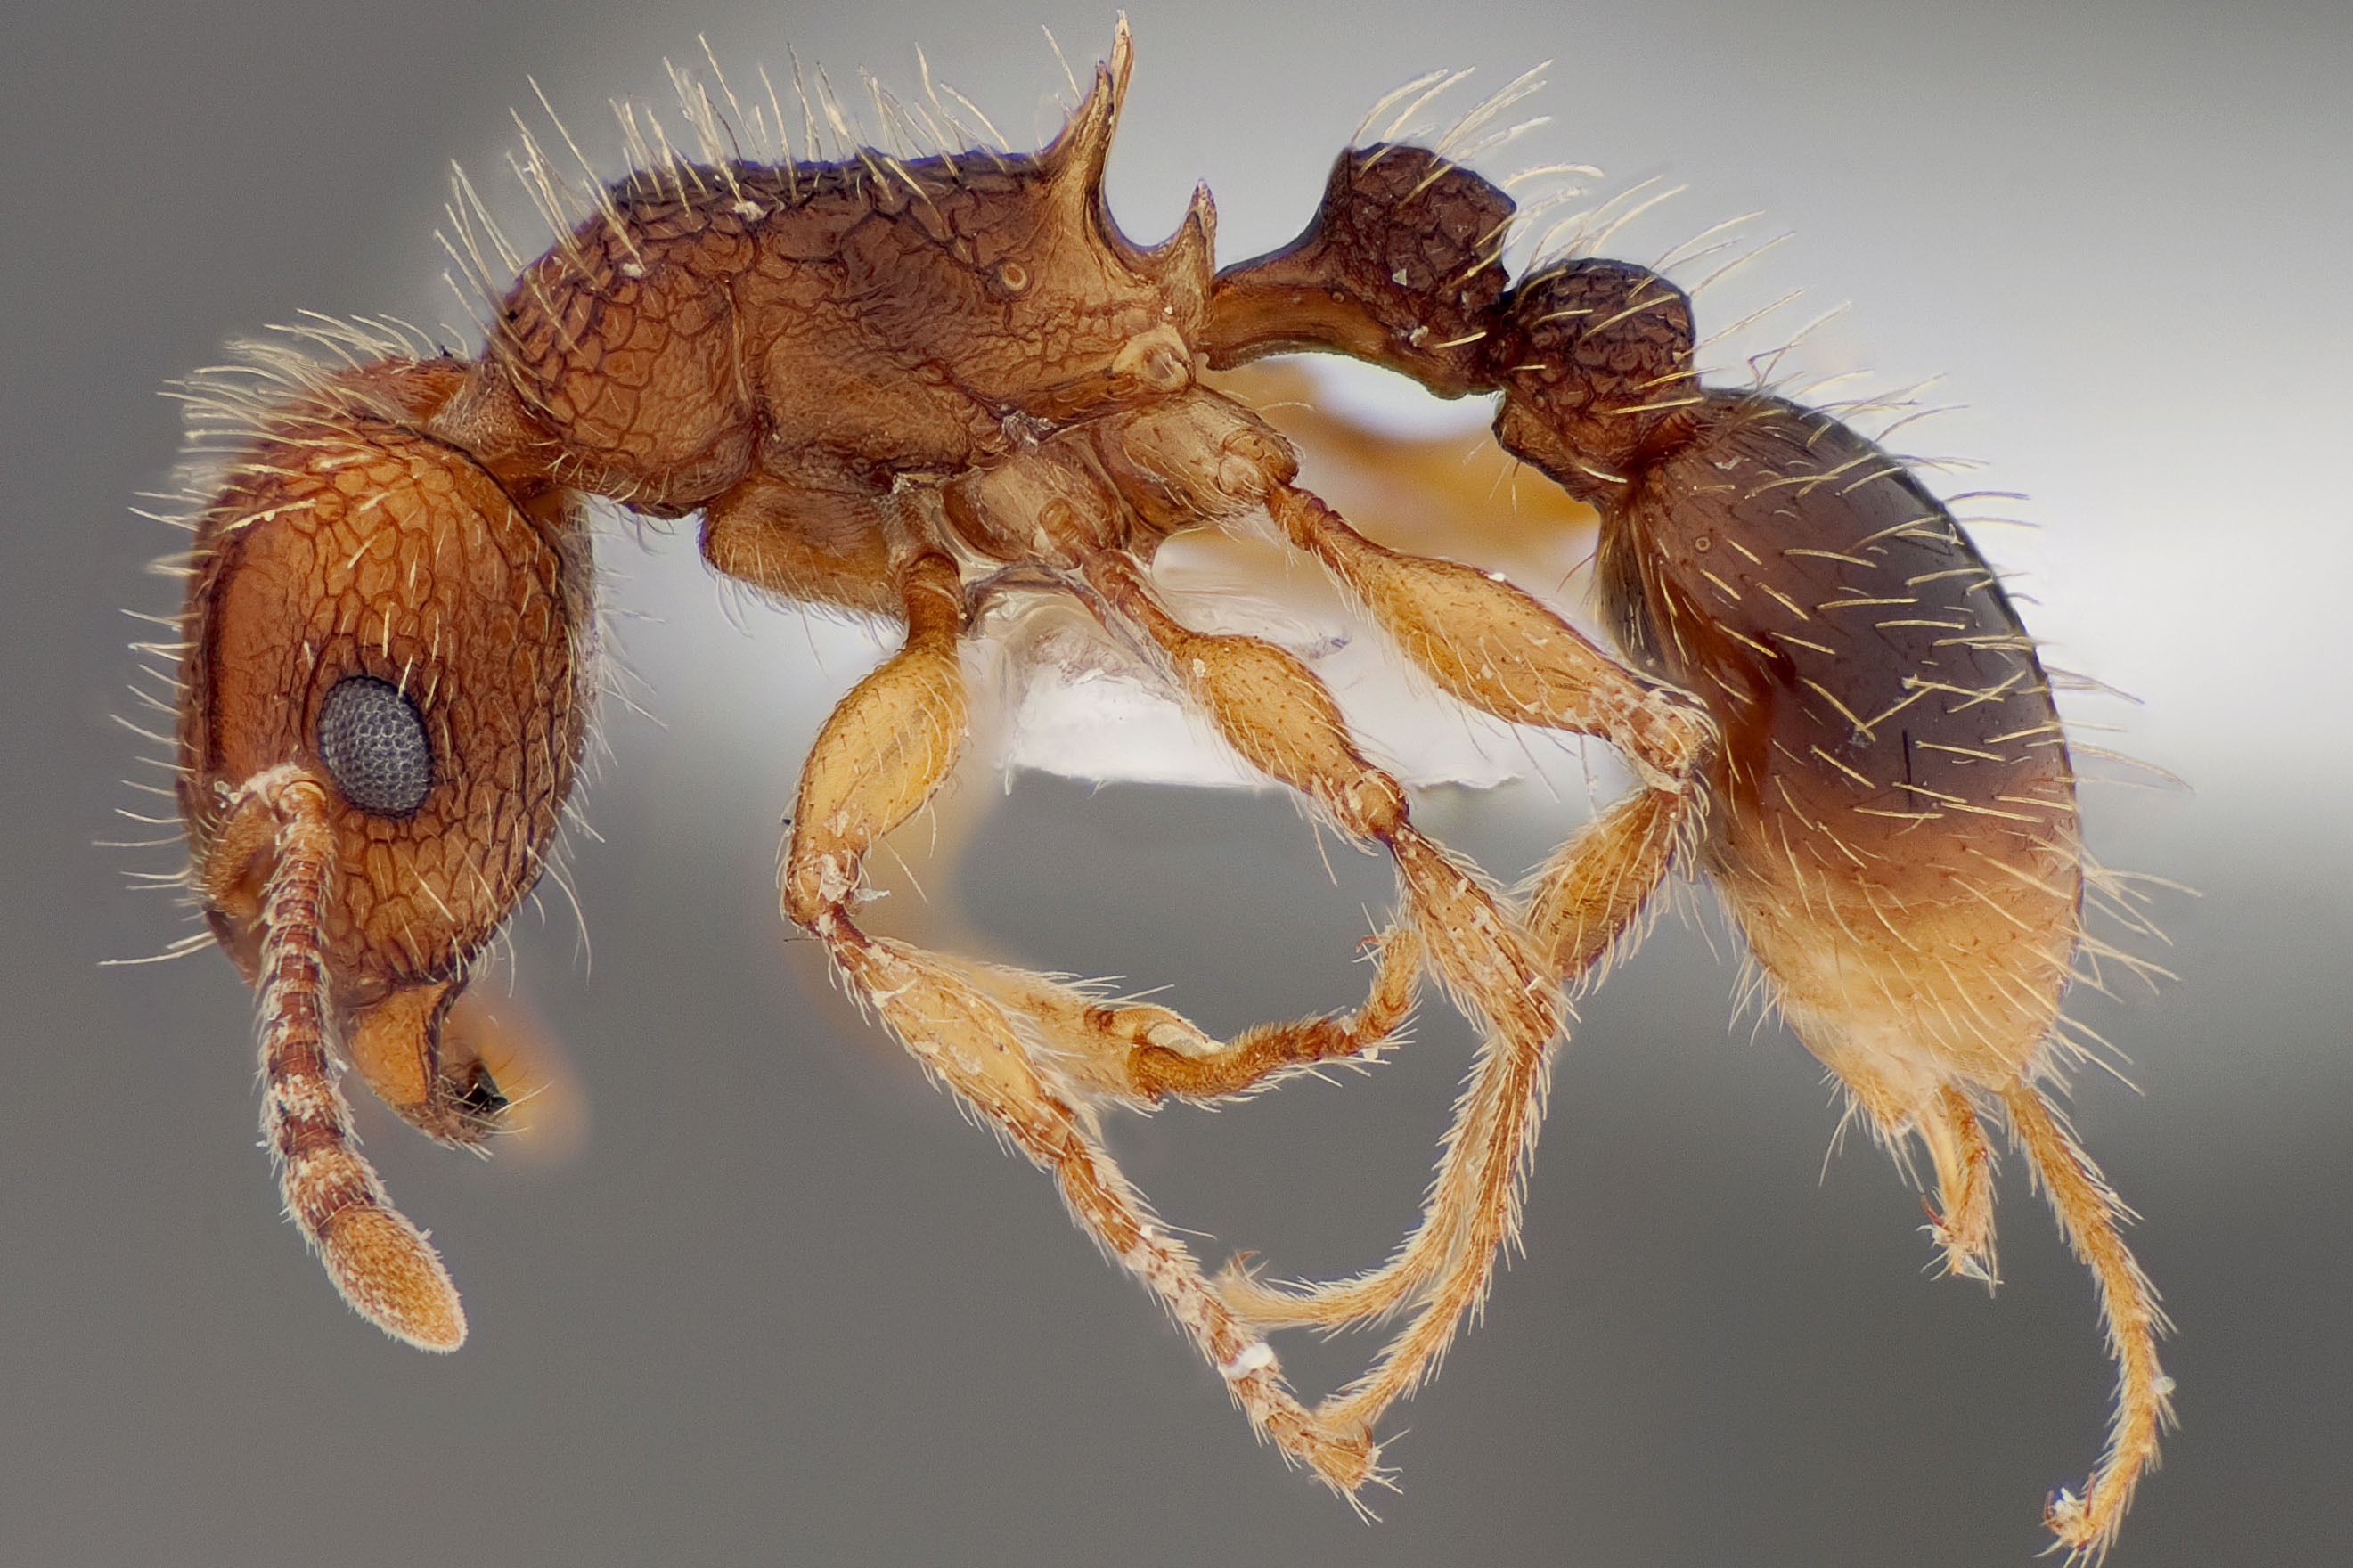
[371,611]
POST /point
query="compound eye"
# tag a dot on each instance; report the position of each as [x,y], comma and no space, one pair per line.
[373,741]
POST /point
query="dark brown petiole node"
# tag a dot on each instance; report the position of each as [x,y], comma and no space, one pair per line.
[1402,267]
[911,388]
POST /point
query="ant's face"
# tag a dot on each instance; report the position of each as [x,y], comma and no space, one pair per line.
[371,611]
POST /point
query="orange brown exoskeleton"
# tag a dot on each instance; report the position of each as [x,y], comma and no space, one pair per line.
[928,389]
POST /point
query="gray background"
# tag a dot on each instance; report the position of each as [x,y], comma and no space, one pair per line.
[782,1303]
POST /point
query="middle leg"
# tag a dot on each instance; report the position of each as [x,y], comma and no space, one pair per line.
[1489,645]
[1280,719]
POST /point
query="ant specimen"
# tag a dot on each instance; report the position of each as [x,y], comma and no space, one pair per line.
[947,392]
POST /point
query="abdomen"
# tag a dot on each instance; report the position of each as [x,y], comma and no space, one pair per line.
[1893,815]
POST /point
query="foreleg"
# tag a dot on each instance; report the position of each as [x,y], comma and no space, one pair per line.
[1142,1053]
[959,1033]
[883,753]
[1002,1040]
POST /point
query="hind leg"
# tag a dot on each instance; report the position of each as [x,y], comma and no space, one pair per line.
[2092,1218]
[1962,1222]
